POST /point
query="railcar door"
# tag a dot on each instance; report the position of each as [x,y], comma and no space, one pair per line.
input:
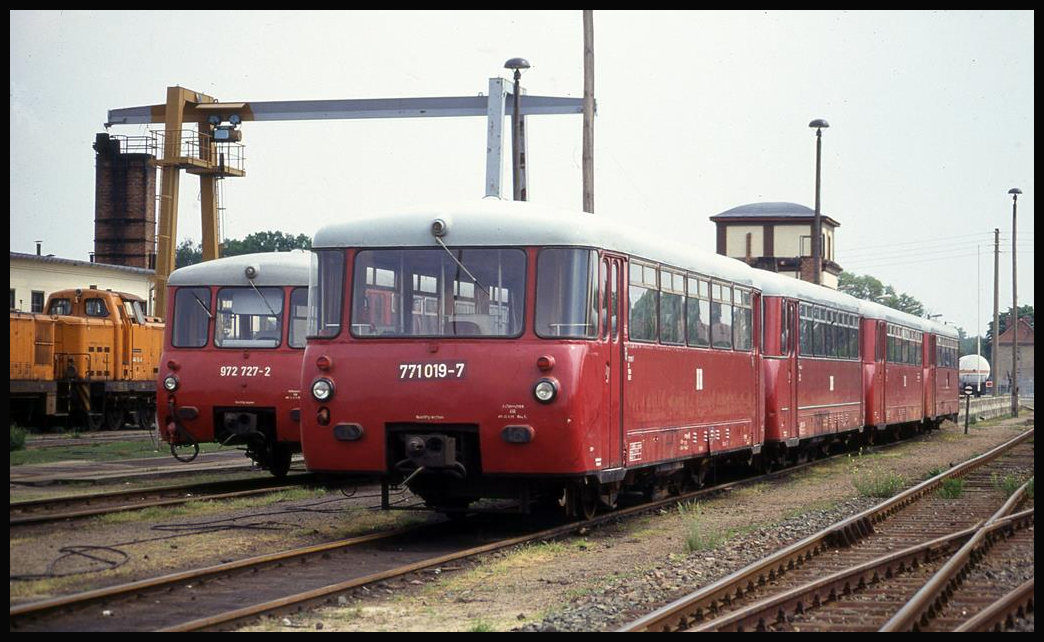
[928,374]
[611,272]
[789,384]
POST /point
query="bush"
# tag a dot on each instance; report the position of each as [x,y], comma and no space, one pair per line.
[951,488]
[879,484]
[18,436]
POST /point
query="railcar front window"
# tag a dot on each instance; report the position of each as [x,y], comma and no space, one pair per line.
[567,294]
[298,317]
[192,316]
[435,293]
[325,293]
[249,318]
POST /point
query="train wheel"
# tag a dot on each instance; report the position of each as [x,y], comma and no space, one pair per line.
[582,499]
[279,460]
[113,416]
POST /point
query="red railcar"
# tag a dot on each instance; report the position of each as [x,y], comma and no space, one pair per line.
[231,366]
[509,350]
[528,352]
[812,371]
[909,369]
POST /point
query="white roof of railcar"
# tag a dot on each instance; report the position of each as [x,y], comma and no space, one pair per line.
[273,269]
[500,223]
[774,284]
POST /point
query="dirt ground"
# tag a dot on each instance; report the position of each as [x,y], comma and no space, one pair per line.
[637,561]
[509,590]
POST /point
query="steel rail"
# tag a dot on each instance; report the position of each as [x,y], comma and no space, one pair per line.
[690,608]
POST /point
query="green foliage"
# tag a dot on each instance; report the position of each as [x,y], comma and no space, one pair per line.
[18,436]
[1011,483]
[480,626]
[265,242]
[870,289]
[699,537]
[951,488]
[190,252]
[877,484]
[1026,313]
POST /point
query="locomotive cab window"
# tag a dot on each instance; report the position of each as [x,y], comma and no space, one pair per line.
[249,318]
[61,306]
[567,293]
[95,308]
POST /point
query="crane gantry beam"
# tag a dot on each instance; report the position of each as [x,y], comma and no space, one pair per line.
[186,106]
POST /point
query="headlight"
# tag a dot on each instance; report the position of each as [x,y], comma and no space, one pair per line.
[545,390]
[170,383]
[322,389]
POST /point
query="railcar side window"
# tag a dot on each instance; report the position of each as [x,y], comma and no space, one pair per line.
[672,316]
[743,320]
[644,303]
[249,317]
[697,313]
[428,293]
[325,293]
[567,293]
[192,314]
[298,317]
[721,315]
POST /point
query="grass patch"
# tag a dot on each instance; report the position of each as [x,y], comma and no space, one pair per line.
[480,626]
[934,472]
[951,488]
[698,535]
[18,436]
[1008,484]
[878,484]
[101,451]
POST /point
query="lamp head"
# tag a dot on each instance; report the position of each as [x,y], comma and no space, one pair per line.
[517,63]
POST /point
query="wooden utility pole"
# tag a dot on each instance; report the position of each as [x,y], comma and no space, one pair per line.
[996,308]
[588,153]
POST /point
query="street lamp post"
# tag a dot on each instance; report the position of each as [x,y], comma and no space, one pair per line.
[518,64]
[1014,309]
[817,226]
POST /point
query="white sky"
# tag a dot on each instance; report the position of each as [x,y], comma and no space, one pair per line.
[931,122]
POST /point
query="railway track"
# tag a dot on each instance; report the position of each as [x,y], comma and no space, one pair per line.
[69,507]
[217,597]
[901,565]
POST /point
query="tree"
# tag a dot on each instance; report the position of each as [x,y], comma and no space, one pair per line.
[870,289]
[861,287]
[1004,319]
[266,242]
[188,253]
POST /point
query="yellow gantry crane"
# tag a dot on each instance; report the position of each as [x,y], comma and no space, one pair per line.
[212,150]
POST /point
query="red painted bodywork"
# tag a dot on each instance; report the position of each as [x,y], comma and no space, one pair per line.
[256,379]
[621,404]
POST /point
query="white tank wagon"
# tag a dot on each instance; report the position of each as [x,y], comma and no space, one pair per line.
[974,371]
